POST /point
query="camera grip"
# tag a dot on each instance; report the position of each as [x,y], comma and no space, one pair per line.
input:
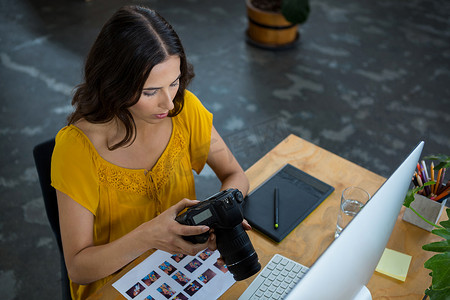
[197,239]
[194,239]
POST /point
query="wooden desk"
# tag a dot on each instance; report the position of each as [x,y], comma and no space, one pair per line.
[316,232]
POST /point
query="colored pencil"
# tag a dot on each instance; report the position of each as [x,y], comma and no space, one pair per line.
[432,177]
[438,181]
[446,192]
[425,171]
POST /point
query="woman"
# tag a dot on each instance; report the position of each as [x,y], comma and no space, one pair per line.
[123,166]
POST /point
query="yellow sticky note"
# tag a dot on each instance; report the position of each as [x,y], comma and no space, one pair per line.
[394,264]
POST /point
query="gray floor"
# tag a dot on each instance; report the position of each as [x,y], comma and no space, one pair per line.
[368,80]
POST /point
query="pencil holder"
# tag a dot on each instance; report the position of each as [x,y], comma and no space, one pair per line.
[427,208]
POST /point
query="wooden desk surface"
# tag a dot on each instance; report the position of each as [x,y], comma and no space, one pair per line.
[316,232]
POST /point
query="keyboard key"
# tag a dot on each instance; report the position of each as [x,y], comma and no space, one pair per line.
[265,273]
[289,266]
[297,268]
[275,281]
[280,290]
[277,259]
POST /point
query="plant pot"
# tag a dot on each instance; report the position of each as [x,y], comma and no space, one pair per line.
[429,209]
[269,30]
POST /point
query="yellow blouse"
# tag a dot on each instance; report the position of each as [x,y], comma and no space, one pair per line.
[121,199]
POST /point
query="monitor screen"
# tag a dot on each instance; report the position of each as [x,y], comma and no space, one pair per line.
[345,268]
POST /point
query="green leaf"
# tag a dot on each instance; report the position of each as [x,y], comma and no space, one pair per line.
[442,165]
[441,246]
[446,224]
[409,198]
[441,157]
[443,294]
[295,11]
[442,232]
[439,264]
[444,160]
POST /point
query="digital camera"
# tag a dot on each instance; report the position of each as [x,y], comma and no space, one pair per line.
[223,213]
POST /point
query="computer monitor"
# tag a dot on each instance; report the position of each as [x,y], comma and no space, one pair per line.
[346,266]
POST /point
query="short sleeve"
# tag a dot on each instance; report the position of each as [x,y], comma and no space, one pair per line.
[199,124]
[73,168]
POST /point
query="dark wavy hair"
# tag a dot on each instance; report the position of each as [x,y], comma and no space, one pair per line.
[130,44]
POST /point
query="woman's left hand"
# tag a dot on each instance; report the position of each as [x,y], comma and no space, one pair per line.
[246,225]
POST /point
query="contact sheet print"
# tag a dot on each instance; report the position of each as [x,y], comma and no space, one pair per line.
[165,276]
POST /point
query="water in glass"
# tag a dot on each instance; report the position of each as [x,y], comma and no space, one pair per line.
[349,209]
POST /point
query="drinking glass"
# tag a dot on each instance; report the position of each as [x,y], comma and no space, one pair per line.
[352,200]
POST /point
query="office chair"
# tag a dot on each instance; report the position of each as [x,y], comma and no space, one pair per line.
[42,154]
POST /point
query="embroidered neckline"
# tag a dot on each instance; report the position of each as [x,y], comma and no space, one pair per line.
[139,181]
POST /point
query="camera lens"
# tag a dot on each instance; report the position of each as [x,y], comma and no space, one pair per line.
[237,251]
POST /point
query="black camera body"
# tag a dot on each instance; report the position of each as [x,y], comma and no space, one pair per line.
[223,212]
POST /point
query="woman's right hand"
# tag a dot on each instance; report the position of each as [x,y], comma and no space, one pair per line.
[164,233]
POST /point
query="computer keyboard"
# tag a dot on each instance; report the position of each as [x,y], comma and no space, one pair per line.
[276,280]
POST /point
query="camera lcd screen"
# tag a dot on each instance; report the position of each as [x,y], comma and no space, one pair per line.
[202,216]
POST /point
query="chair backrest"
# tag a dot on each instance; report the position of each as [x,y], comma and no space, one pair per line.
[43,157]
[42,154]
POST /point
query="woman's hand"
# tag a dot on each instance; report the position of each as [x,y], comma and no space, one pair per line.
[246,225]
[87,262]
[164,233]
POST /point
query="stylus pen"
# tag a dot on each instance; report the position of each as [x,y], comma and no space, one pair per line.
[276,200]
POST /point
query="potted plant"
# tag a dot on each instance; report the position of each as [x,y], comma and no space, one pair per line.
[439,264]
[273,24]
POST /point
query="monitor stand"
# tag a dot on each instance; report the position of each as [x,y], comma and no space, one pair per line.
[364,294]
